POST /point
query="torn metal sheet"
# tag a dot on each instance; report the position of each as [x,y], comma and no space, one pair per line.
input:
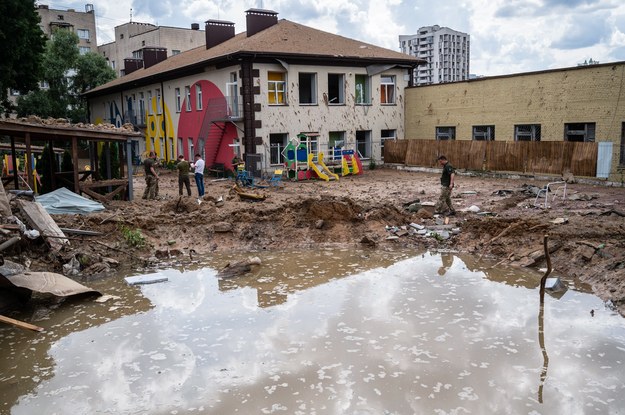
[48,282]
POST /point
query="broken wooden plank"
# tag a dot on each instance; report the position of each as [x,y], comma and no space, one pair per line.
[20,324]
[41,220]
[5,208]
[81,232]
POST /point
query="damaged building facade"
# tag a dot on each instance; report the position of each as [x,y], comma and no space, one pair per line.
[577,104]
[253,92]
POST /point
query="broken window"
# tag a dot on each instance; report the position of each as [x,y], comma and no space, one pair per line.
[277,143]
[363,90]
[527,132]
[307,88]
[276,88]
[581,132]
[336,88]
[363,144]
[445,133]
[387,89]
[336,142]
[484,132]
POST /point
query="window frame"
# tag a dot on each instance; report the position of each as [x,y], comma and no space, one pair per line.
[622,153]
[336,89]
[311,85]
[362,97]
[277,88]
[198,97]
[487,135]
[575,130]
[384,135]
[83,34]
[187,93]
[178,100]
[365,144]
[159,107]
[534,133]
[387,88]
[442,135]
[150,109]
[277,143]
[336,143]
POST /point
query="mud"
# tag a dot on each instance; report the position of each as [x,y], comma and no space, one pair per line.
[585,231]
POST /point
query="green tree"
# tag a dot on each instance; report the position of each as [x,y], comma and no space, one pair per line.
[114,157]
[23,44]
[68,75]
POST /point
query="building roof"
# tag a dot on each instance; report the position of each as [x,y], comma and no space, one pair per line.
[284,40]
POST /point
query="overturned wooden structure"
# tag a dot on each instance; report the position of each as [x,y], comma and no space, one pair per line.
[57,135]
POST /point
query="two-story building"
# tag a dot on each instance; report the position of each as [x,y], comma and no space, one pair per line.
[252,93]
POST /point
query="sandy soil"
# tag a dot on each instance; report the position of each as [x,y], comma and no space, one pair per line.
[585,231]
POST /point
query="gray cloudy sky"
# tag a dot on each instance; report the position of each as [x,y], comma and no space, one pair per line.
[507,36]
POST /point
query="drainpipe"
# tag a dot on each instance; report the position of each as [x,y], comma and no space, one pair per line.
[247,94]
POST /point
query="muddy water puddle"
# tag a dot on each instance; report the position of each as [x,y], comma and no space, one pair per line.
[338,332]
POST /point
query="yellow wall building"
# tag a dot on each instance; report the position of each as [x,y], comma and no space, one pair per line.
[584,103]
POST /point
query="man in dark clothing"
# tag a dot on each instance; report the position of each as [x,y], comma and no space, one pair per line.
[183,175]
[151,178]
[447,184]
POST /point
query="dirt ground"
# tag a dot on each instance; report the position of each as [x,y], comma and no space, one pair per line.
[585,231]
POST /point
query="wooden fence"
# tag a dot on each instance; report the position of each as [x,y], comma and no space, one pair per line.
[547,157]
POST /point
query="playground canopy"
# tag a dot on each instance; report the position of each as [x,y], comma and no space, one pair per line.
[62,134]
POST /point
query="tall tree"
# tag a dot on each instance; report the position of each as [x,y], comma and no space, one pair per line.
[23,43]
[68,75]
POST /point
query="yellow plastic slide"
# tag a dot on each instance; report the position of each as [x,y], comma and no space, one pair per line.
[324,176]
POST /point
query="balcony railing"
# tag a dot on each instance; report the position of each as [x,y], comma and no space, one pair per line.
[225,108]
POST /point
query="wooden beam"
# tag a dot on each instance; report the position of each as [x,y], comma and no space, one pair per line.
[15,173]
[76,166]
[41,220]
[28,158]
[20,324]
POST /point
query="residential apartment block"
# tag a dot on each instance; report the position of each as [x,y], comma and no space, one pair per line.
[79,22]
[255,92]
[133,39]
[446,51]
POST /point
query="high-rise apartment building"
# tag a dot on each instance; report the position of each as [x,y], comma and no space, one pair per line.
[445,50]
[79,22]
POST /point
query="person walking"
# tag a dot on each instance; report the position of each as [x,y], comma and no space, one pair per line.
[151,177]
[183,167]
[198,167]
[447,184]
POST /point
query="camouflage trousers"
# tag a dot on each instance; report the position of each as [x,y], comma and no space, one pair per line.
[444,201]
[151,187]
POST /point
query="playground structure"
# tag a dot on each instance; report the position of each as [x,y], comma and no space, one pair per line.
[300,164]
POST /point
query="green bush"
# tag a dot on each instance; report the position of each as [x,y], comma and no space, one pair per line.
[133,237]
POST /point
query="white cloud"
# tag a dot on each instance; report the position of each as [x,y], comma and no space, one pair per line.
[507,36]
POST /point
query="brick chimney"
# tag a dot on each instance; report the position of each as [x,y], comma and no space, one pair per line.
[152,56]
[218,31]
[259,19]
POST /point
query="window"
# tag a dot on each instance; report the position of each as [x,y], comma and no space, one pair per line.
[277,143]
[149,102]
[187,94]
[582,132]
[232,89]
[336,142]
[198,97]
[159,107]
[336,89]
[386,135]
[307,88]
[363,88]
[121,35]
[83,34]
[387,89]
[276,88]
[141,109]
[83,50]
[484,132]
[445,133]
[178,102]
[175,52]
[622,156]
[363,144]
[137,54]
[310,139]
[527,132]
[113,65]
[60,17]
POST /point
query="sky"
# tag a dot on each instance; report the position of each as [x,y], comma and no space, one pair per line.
[507,36]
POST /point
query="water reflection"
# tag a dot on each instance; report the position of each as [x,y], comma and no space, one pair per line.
[392,339]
